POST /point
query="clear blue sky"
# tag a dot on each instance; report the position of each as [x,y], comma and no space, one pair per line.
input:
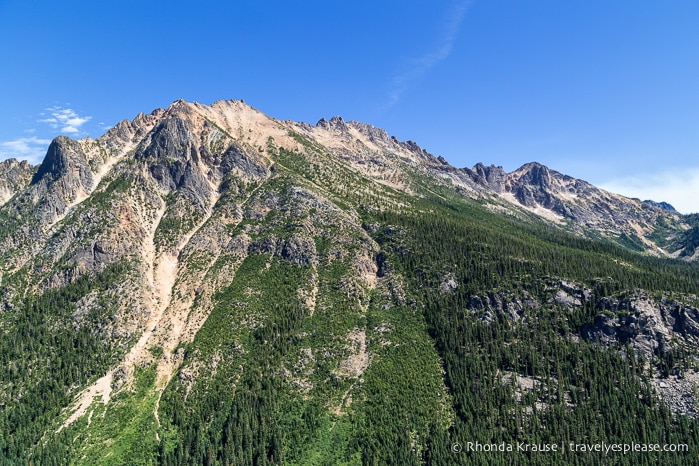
[606,91]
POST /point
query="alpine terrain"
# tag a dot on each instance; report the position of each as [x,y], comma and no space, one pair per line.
[209,285]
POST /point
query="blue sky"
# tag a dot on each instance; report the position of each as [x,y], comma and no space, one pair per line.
[600,90]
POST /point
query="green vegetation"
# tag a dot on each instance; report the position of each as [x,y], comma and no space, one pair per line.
[689,239]
[122,432]
[582,392]
[46,353]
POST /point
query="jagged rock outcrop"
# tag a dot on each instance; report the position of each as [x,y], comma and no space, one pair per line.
[534,188]
[336,123]
[63,177]
[375,135]
[65,161]
[662,205]
[14,176]
[651,327]
[490,176]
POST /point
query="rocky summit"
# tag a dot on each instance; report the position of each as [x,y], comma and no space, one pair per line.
[210,285]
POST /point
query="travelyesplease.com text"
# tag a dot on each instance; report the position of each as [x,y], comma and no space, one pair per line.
[601,447]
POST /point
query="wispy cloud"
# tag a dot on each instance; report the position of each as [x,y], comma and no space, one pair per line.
[65,120]
[680,188]
[32,149]
[419,66]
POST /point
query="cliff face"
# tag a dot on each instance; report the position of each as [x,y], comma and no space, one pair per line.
[207,269]
[14,176]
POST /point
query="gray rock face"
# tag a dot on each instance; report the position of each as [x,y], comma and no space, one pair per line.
[300,250]
[375,134]
[650,327]
[336,123]
[129,131]
[535,185]
[448,284]
[662,205]
[14,176]
[268,245]
[179,161]
[534,188]
[63,179]
[489,307]
[63,175]
[170,153]
[65,161]
[236,159]
[492,176]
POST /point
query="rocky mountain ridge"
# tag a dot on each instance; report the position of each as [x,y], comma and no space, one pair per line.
[570,203]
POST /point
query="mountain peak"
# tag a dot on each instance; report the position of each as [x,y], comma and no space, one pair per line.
[63,158]
[336,123]
[532,166]
[662,205]
[178,104]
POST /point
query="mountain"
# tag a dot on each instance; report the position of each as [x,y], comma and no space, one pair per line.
[209,285]
[584,209]
[572,204]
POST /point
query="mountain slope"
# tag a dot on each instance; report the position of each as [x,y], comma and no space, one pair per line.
[208,285]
